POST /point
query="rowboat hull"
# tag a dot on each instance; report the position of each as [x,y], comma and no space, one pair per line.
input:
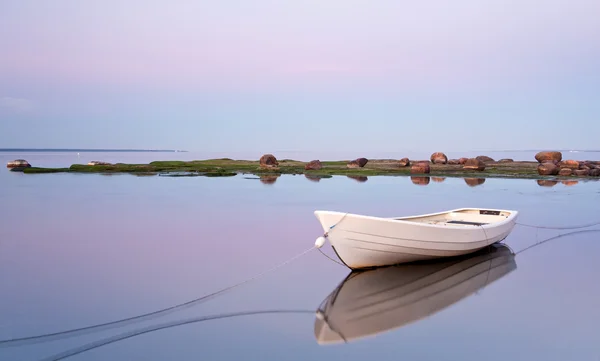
[371,302]
[363,241]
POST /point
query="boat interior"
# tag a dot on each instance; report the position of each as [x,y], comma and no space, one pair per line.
[467,217]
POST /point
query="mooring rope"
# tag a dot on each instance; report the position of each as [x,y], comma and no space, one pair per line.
[323,253]
[102,326]
[556,237]
[568,227]
[148,329]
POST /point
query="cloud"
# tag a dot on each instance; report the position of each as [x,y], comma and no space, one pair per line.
[17,105]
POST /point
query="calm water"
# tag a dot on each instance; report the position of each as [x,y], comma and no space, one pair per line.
[81,250]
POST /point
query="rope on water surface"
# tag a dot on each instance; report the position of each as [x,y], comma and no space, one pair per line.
[568,227]
[98,327]
[556,237]
[148,329]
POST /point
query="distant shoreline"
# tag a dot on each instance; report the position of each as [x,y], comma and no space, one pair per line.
[83,150]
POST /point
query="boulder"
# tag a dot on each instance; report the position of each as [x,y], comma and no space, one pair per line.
[420,168]
[582,172]
[485,158]
[357,163]
[454,161]
[573,164]
[404,162]
[544,156]
[462,160]
[547,169]
[98,162]
[506,160]
[420,181]
[474,182]
[438,158]
[18,163]
[565,172]
[313,165]
[474,164]
[588,164]
[555,162]
[595,172]
[268,161]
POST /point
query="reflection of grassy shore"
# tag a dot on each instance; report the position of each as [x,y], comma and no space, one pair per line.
[228,167]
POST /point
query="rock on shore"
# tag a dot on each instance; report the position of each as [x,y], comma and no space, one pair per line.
[420,168]
[268,161]
[474,164]
[18,163]
[542,157]
[357,163]
[313,165]
[439,158]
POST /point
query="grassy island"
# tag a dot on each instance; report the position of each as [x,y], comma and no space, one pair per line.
[225,167]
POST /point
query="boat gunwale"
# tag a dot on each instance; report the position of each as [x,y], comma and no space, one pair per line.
[406,219]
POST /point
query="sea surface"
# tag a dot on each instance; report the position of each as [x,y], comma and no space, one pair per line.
[137,254]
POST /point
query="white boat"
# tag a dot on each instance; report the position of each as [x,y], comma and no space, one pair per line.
[362,241]
[374,301]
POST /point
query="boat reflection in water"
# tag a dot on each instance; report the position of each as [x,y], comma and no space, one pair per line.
[378,300]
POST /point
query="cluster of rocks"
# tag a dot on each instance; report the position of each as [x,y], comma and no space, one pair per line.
[470,164]
[551,163]
[268,161]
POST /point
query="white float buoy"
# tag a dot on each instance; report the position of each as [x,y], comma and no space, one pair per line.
[320,242]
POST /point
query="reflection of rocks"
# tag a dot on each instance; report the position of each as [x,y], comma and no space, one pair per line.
[569,182]
[474,164]
[474,182]
[18,163]
[421,181]
[438,179]
[313,165]
[404,162]
[357,163]
[268,161]
[546,183]
[358,178]
[541,157]
[439,158]
[269,179]
[316,177]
